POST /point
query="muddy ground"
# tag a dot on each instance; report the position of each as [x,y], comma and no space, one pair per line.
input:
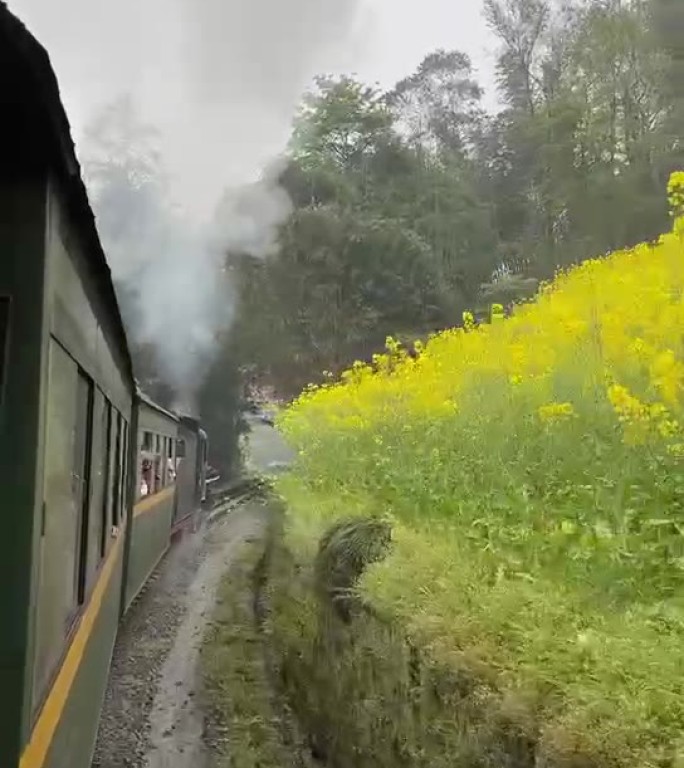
[153,715]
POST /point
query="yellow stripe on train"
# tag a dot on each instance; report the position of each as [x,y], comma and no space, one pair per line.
[151,502]
[44,730]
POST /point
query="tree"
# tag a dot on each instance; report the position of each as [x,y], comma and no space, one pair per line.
[522,26]
[414,206]
[340,124]
[386,236]
[580,141]
[437,107]
[667,19]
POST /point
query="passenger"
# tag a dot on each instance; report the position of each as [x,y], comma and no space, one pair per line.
[146,477]
[171,470]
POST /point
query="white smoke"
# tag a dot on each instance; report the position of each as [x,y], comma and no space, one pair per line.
[220,81]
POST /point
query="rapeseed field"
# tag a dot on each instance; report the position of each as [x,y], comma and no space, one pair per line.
[533,472]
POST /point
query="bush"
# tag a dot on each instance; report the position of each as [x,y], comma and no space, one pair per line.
[533,470]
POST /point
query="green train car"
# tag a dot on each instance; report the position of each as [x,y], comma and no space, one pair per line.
[96,478]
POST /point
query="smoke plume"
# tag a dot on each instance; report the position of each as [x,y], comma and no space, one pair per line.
[187,103]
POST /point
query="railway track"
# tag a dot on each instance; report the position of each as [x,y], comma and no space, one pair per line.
[229,498]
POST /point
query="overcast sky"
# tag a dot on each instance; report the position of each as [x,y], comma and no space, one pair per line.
[222,77]
[401,32]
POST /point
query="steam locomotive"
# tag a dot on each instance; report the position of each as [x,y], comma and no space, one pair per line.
[96,478]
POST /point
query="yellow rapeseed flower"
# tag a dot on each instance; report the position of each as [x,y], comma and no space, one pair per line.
[553,412]
[675,193]
[594,328]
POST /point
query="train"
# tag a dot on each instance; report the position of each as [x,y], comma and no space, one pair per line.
[97,479]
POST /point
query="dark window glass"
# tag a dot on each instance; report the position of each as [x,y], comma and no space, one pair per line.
[117,466]
[4,340]
[123,493]
[147,441]
[98,483]
[112,476]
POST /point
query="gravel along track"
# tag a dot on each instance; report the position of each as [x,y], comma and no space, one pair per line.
[152,716]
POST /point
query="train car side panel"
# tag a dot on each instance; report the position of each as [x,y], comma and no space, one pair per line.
[155,494]
[22,225]
[66,395]
[151,527]
[87,407]
[65,732]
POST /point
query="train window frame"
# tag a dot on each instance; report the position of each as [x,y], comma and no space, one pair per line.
[5,334]
[96,517]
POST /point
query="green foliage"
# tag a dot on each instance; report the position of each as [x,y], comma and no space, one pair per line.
[438,106]
[368,698]
[385,237]
[429,675]
[583,138]
[538,563]
[339,125]
[408,202]
[541,667]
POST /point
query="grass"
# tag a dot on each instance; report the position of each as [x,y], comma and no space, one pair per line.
[533,473]
[245,725]
[596,686]
[366,693]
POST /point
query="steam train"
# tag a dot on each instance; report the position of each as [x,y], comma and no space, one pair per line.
[96,478]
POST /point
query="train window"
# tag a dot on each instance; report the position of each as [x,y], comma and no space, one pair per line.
[146,475]
[4,340]
[118,467]
[164,463]
[123,493]
[98,486]
[65,492]
[148,441]
[180,449]
[171,460]
[157,464]
[113,470]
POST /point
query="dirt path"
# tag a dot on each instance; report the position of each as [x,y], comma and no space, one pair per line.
[152,716]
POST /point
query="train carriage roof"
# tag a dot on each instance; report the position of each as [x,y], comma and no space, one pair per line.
[155,406]
[29,86]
